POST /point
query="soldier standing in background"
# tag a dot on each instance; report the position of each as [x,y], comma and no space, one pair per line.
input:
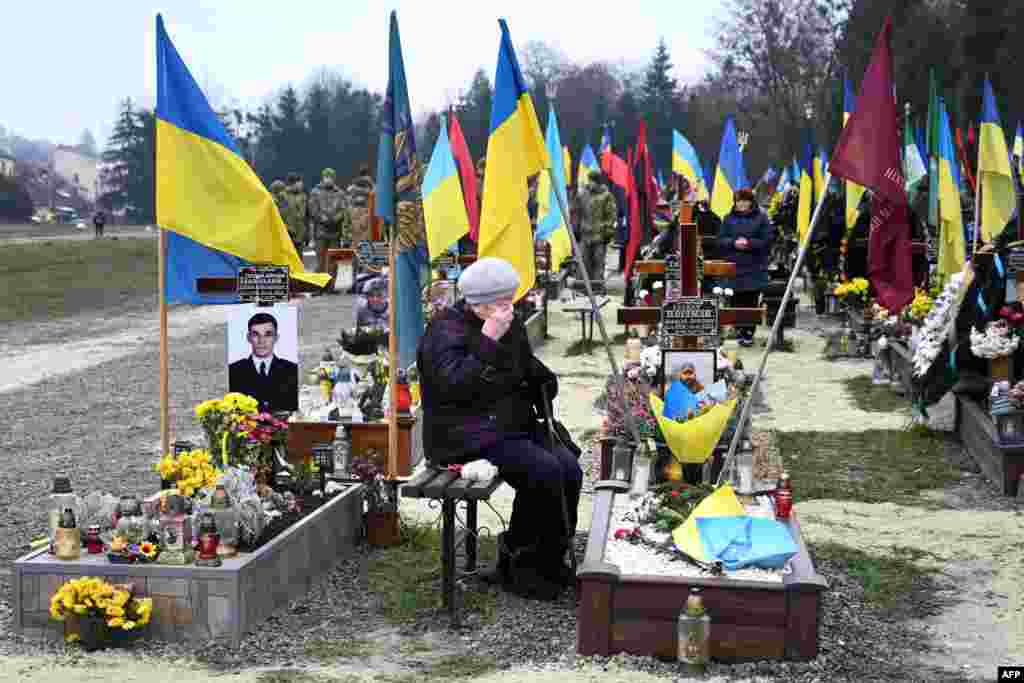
[295,211]
[328,209]
[359,205]
[598,215]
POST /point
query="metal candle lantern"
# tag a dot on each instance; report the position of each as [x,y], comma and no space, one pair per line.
[61,498]
[622,461]
[209,539]
[175,533]
[227,522]
[323,458]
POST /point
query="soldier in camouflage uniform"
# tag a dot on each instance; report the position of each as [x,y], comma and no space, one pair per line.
[328,210]
[293,208]
[359,205]
[598,215]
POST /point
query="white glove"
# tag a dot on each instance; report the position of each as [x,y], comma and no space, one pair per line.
[479,470]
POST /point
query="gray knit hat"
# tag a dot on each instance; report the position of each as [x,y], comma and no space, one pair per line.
[488,280]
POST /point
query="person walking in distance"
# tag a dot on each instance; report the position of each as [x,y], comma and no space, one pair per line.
[98,221]
[598,215]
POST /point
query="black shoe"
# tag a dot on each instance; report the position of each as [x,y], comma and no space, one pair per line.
[527,577]
[500,574]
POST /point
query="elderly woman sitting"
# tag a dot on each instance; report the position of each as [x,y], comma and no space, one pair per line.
[481,385]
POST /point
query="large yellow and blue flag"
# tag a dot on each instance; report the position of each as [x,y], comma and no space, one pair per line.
[551,226]
[854,192]
[515,151]
[588,164]
[686,163]
[995,177]
[444,207]
[567,164]
[217,213]
[952,255]
[1018,150]
[730,174]
[398,203]
[805,203]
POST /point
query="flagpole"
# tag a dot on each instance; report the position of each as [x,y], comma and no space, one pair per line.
[165,422]
[745,413]
[631,425]
[392,461]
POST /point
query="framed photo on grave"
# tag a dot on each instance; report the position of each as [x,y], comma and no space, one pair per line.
[694,370]
[263,354]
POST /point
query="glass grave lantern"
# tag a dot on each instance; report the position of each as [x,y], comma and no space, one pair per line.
[131,523]
[175,532]
[209,539]
[61,499]
[622,461]
[226,518]
[323,458]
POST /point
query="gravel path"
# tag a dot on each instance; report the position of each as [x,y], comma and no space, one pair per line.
[98,423]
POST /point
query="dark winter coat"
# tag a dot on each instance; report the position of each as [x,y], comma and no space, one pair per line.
[751,264]
[476,392]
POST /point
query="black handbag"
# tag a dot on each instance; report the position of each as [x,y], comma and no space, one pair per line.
[553,433]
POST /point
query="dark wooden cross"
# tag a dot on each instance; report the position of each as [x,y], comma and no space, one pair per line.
[689,286]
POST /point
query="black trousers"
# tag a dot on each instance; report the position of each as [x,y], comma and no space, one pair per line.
[539,477]
[747,298]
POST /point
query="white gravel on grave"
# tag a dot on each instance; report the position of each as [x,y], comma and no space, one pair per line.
[639,559]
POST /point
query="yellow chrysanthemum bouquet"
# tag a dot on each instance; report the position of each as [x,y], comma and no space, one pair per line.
[856,292]
[919,308]
[191,471]
[220,417]
[91,597]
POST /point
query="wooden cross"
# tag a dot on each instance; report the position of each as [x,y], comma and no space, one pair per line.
[689,286]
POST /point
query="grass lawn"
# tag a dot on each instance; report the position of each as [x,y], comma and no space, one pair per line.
[49,280]
[875,466]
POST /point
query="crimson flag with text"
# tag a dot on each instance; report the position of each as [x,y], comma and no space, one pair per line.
[868,153]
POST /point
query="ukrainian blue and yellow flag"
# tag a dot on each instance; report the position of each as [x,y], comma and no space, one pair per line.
[217,213]
[820,163]
[995,178]
[588,164]
[444,208]
[399,178]
[686,163]
[567,164]
[730,173]
[784,181]
[952,254]
[1018,150]
[551,225]
[515,151]
[854,192]
[805,205]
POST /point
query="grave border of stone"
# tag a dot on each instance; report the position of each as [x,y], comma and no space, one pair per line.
[202,603]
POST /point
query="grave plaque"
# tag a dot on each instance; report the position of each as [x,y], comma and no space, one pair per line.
[263,284]
[688,317]
[673,278]
[1014,262]
[373,254]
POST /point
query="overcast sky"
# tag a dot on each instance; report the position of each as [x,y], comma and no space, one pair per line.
[67,64]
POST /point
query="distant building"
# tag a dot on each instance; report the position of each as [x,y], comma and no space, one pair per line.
[78,170]
[6,165]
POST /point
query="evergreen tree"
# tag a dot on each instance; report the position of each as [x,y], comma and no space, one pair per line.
[660,93]
[87,143]
[130,161]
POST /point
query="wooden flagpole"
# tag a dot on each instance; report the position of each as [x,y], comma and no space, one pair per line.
[392,460]
[165,423]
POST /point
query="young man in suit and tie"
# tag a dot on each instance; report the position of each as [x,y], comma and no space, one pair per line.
[272,381]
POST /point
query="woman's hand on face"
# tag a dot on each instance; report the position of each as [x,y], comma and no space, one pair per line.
[498,321]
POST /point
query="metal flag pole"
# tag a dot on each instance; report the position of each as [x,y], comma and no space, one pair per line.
[596,313]
[745,413]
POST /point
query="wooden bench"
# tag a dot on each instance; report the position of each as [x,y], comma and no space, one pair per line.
[449,488]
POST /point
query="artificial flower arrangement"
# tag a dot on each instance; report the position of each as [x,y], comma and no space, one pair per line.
[116,605]
[124,552]
[996,341]
[191,471]
[255,437]
[371,475]
[933,331]
[640,376]
[856,292]
[1013,314]
[665,507]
